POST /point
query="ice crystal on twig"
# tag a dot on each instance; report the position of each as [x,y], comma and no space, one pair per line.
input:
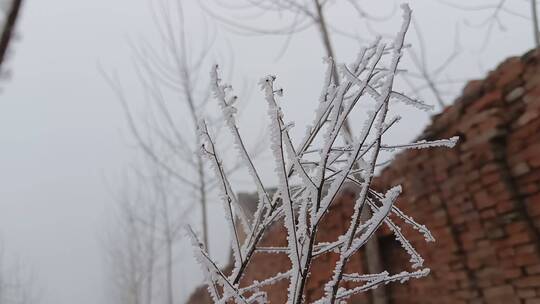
[312,174]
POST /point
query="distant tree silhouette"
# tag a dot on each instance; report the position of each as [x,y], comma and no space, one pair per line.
[11,14]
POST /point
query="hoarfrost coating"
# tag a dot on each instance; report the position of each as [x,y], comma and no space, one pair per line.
[307,188]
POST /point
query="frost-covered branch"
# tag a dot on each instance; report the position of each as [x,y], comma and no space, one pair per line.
[313,174]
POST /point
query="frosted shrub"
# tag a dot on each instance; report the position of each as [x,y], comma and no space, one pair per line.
[310,176]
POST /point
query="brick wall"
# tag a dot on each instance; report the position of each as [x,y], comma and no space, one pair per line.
[481,200]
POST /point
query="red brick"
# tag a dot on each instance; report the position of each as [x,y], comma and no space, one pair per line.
[529,281]
[499,291]
[533,269]
[533,204]
[526,293]
[483,200]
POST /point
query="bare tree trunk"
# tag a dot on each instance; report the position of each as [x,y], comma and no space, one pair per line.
[134,286]
[536,32]
[150,279]
[169,269]
[373,257]
[169,234]
[9,28]
[374,263]
[2,283]
[326,38]
[325,35]
[151,259]
[202,193]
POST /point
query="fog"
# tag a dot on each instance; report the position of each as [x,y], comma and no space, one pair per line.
[64,139]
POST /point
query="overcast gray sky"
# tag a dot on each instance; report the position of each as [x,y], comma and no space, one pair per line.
[64,140]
